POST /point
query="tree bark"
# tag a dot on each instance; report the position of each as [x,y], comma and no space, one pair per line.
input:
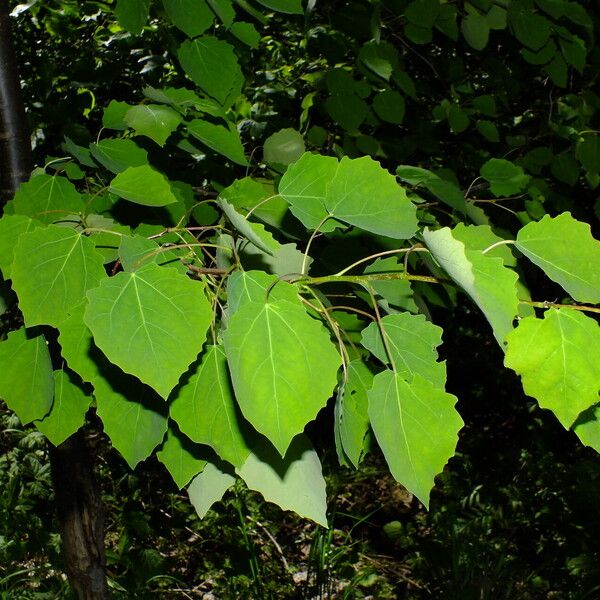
[78,499]
[80,514]
[15,143]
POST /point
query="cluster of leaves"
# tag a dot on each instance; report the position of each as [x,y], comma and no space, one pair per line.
[212,327]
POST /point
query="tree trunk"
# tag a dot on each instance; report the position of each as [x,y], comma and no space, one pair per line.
[78,500]
[15,144]
[80,514]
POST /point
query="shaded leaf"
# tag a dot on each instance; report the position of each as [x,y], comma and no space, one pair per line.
[206,411]
[181,458]
[212,65]
[351,411]
[221,139]
[68,410]
[294,482]
[209,486]
[193,17]
[118,154]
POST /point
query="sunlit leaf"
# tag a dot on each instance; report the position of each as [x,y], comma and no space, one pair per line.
[26,378]
[154,121]
[283,367]
[565,249]
[364,194]
[416,426]
[557,359]
[66,265]
[411,341]
[490,284]
[11,227]
[47,198]
[151,323]
[193,17]
[143,185]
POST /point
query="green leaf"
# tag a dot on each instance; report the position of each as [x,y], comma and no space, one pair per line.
[283,367]
[531,29]
[504,177]
[152,323]
[283,148]
[351,419]
[422,12]
[133,415]
[247,33]
[254,232]
[181,458]
[66,265]
[221,139]
[566,251]
[485,279]
[457,119]
[416,427]
[47,198]
[565,168]
[76,344]
[396,293]
[257,286]
[26,381]
[193,17]
[364,194]
[488,130]
[412,342]
[349,111]
[154,121]
[445,191]
[224,10]
[587,427]
[11,227]
[212,65]
[118,154]
[135,251]
[476,30]
[588,153]
[304,187]
[114,116]
[290,7]
[294,482]
[68,410]
[209,486]
[557,359]
[143,185]
[390,106]
[132,14]
[206,411]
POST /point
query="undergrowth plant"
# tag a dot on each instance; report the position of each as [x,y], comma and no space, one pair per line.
[210,324]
